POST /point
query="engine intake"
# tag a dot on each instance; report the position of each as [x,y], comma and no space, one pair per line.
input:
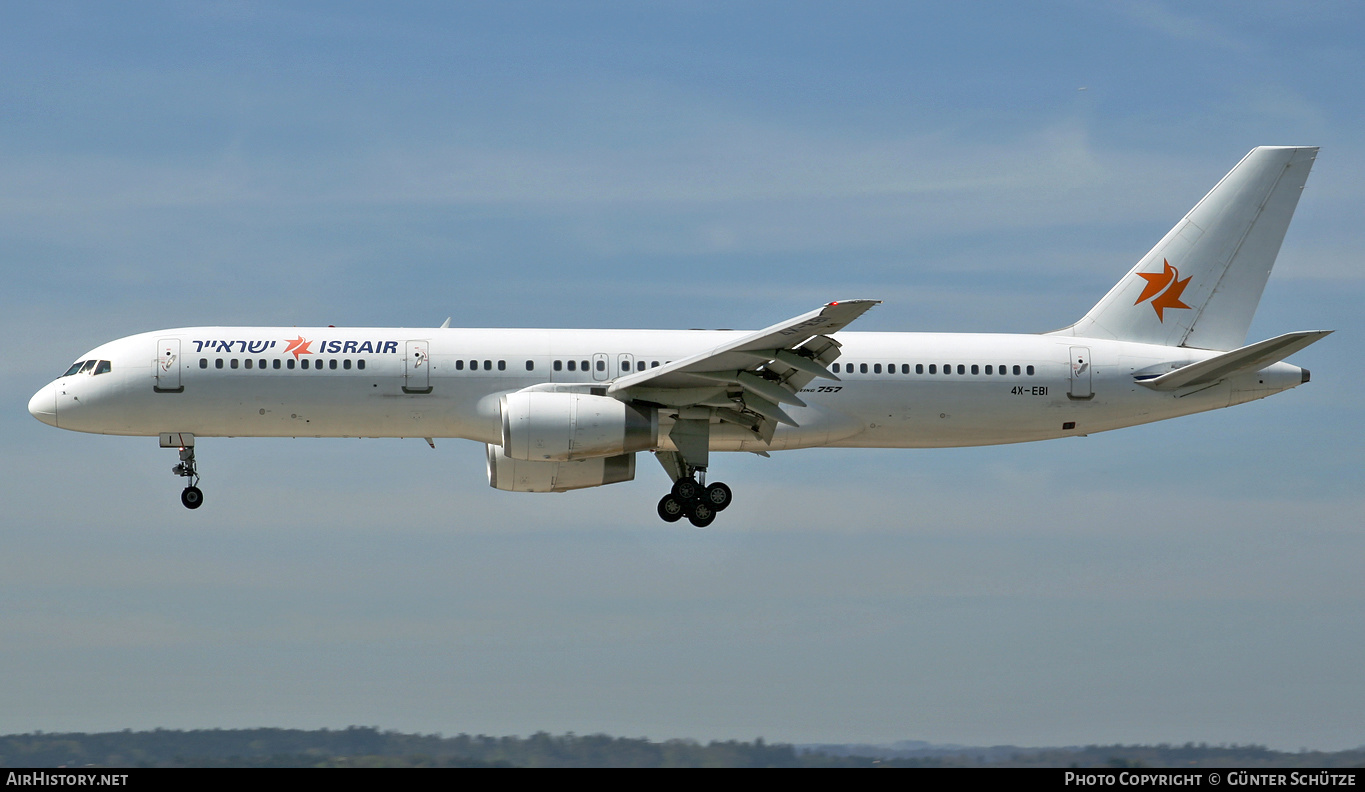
[541,426]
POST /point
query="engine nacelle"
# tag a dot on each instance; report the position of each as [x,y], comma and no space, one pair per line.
[544,426]
[520,475]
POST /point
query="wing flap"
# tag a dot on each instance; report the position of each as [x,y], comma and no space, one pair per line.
[746,381]
[745,353]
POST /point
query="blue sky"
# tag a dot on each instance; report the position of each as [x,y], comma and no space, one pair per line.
[979,167]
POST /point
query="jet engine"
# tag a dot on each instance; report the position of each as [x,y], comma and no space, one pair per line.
[519,475]
[543,426]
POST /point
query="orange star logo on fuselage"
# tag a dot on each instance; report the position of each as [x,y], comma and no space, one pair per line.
[298,346]
[1163,289]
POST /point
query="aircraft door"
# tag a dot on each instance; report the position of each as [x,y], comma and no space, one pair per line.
[1080,374]
[625,364]
[601,362]
[417,367]
[168,366]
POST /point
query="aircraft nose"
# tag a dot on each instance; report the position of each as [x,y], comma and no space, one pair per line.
[43,405]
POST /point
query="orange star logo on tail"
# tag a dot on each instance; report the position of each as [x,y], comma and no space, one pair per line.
[298,347]
[1163,289]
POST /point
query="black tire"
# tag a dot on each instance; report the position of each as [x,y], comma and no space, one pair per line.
[717,496]
[701,514]
[686,489]
[192,497]
[671,509]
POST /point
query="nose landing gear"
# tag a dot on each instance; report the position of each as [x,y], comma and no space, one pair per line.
[192,497]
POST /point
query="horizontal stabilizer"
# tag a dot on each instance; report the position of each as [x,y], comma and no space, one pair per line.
[1249,358]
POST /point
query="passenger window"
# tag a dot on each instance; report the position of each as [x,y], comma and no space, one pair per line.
[459,365]
[530,366]
[360,364]
[261,363]
[488,365]
[559,365]
[304,363]
[332,364]
[835,368]
[862,367]
[1016,371]
[248,362]
[975,369]
[583,364]
[877,368]
[573,365]
[989,371]
[601,365]
[275,364]
[640,365]
[654,364]
[1030,371]
[218,363]
[346,364]
[203,362]
[919,368]
[232,363]
[289,364]
[933,368]
[905,368]
[502,365]
[961,369]
[473,365]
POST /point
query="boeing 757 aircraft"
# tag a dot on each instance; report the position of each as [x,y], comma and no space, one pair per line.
[560,410]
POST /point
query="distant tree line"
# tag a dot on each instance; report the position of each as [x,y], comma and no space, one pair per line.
[362,746]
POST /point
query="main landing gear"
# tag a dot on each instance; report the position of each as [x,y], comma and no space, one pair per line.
[192,497]
[694,500]
[690,497]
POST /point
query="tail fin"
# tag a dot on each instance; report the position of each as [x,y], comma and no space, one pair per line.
[1199,287]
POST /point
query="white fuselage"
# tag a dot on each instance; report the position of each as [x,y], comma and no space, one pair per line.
[448,382]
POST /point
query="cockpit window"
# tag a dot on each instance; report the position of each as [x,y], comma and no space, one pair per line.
[102,367]
[89,364]
[74,368]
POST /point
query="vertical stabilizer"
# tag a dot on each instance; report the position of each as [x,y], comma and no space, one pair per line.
[1199,287]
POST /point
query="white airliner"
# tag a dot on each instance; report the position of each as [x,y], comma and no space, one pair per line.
[566,409]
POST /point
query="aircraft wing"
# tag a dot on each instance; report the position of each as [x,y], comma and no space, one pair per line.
[1249,358]
[753,374]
